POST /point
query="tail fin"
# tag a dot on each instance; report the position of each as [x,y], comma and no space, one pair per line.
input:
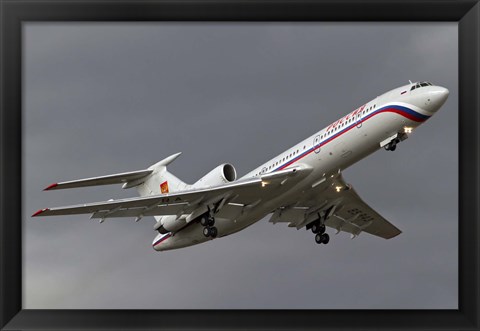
[160,181]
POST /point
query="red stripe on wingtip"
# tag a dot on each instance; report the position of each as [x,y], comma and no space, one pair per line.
[39,212]
[49,187]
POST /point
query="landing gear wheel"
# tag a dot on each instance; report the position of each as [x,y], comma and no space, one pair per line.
[213,232]
[204,221]
[318,228]
[392,148]
[322,238]
[325,238]
[207,232]
[211,221]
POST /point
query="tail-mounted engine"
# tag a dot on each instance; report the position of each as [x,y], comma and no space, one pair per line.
[223,174]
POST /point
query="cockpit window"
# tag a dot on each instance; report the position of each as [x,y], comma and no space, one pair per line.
[419,85]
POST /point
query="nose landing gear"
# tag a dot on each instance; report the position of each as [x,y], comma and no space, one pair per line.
[391,146]
[394,140]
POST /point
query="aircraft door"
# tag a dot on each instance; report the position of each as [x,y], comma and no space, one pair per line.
[316,144]
[358,119]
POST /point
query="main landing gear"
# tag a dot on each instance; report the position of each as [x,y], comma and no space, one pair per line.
[320,236]
[208,222]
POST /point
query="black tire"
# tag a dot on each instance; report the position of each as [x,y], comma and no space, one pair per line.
[394,147]
[318,238]
[315,227]
[325,238]
[204,221]
[207,232]
[211,221]
[213,232]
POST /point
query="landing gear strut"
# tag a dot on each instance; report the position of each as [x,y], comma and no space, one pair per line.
[208,222]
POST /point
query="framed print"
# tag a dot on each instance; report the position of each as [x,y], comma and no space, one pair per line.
[98,87]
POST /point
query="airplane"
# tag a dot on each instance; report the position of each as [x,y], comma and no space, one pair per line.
[302,186]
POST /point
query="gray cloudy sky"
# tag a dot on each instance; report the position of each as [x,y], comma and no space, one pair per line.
[108,97]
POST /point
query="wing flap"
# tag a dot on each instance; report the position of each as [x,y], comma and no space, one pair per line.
[172,209]
[355,216]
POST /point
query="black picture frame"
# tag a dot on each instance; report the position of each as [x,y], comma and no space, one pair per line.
[14,13]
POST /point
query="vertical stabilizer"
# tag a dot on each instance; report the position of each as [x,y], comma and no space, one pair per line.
[160,180]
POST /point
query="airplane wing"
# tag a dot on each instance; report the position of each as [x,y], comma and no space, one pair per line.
[239,193]
[346,210]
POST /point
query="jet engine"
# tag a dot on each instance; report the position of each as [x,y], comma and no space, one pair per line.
[170,223]
[224,173]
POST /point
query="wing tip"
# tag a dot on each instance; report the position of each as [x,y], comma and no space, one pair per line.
[50,187]
[38,212]
[393,235]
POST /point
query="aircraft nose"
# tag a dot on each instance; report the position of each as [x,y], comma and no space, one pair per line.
[436,97]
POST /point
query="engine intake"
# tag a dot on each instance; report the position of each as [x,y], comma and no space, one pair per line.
[224,173]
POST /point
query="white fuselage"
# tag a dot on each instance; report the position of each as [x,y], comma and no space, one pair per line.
[367,129]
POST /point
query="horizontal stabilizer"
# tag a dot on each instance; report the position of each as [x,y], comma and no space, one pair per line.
[121,178]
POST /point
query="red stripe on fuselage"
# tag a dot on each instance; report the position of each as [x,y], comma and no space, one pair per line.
[162,239]
[390,109]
